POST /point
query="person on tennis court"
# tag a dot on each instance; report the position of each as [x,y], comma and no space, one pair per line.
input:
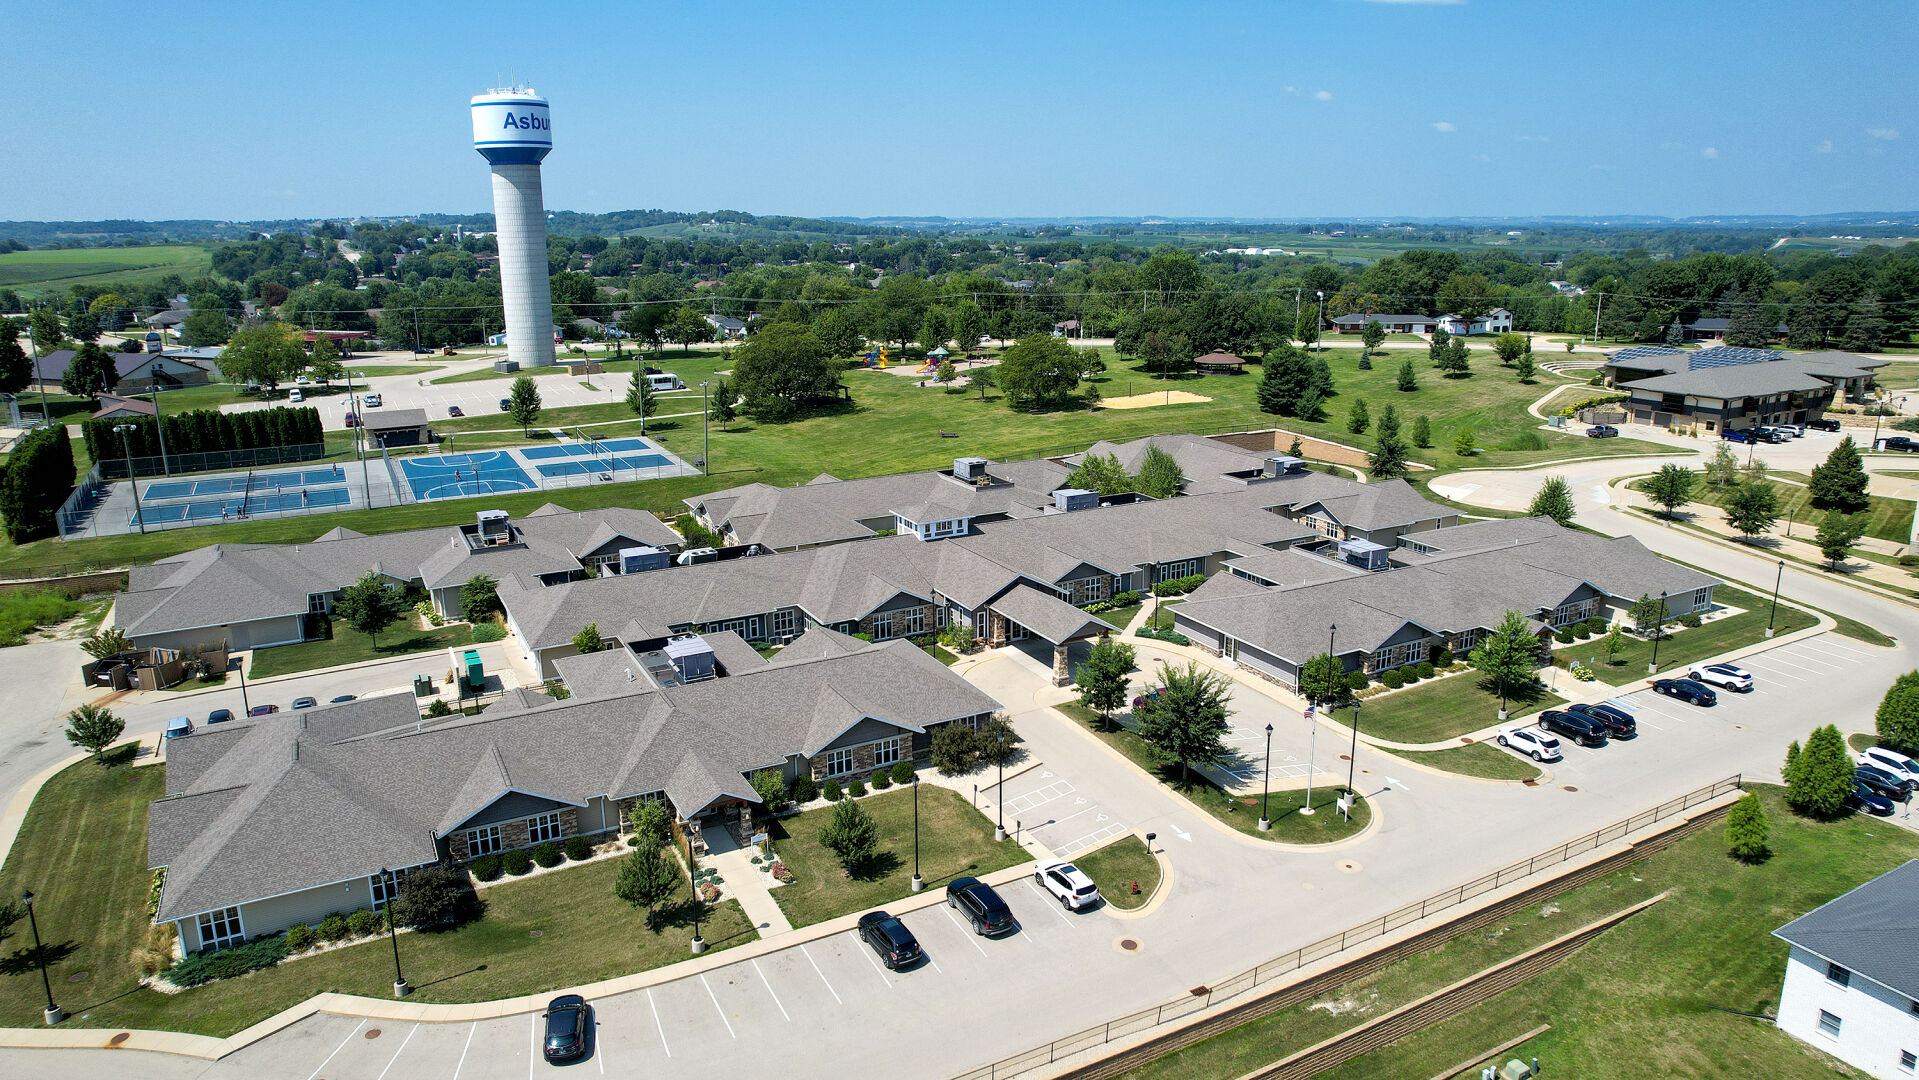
[303,496]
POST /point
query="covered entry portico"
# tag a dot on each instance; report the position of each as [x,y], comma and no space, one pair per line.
[1029,612]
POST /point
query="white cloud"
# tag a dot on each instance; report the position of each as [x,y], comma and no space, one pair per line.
[1823,148]
[1888,134]
[1444,125]
[1322,95]
[1532,138]
[1291,89]
[1709,152]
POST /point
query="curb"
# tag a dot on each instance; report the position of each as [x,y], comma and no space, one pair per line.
[1160,891]
[1544,778]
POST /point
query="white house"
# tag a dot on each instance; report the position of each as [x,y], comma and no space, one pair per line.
[1496,321]
[1852,979]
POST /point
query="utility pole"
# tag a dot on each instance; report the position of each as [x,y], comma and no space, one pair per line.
[153,395]
[1598,307]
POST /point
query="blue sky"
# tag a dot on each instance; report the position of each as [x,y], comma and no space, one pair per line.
[1277,109]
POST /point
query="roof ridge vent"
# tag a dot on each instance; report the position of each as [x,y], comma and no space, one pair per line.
[296,750]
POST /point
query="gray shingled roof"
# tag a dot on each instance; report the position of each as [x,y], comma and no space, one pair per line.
[1204,461]
[1735,381]
[388,419]
[1869,930]
[1049,617]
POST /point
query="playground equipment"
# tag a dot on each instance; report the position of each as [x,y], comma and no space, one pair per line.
[932,364]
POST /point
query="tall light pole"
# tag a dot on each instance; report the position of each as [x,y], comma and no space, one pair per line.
[1265,782]
[160,429]
[1777,577]
[918,882]
[244,707]
[1312,728]
[53,1013]
[706,425]
[1352,757]
[132,480]
[999,802]
[392,882]
[1319,321]
[1658,628]
[693,882]
[359,434]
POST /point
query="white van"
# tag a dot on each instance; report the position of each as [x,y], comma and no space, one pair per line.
[666,381]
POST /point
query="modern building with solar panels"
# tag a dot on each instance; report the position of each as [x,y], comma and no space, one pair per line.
[1731,388]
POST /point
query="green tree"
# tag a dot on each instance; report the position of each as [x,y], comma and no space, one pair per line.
[369,605]
[267,354]
[1747,829]
[588,640]
[1102,676]
[969,324]
[1722,468]
[1408,381]
[1306,330]
[1297,449]
[1819,777]
[1614,641]
[1647,614]
[1554,500]
[1387,460]
[647,877]
[933,329]
[1187,721]
[111,641]
[1524,366]
[688,328]
[1160,476]
[93,729]
[1752,509]
[781,368]
[1039,372]
[46,330]
[1897,720]
[1509,347]
[1671,487]
[1422,431]
[1457,363]
[1284,378]
[1463,441]
[83,327]
[1747,325]
[207,328]
[851,834]
[983,380]
[1102,473]
[1509,656]
[35,479]
[1840,483]
[996,742]
[523,403]
[721,410]
[1312,406]
[650,824]
[90,373]
[325,362]
[640,396]
[770,786]
[945,373]
[1436,348]
[1838,533]
[1865,327]
[1358,419]
[16,367]
[1372,337]
[1322,681]
[479,597]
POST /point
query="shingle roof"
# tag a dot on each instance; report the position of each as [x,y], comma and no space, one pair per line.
[388,419]
[1049,617]
[1869,930]
[1751,380]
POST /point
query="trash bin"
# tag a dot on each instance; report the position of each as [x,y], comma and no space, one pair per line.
[422,686]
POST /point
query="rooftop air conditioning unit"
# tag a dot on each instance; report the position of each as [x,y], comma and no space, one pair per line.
[969,468]
[1066,500]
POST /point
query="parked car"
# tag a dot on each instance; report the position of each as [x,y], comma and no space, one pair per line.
[295,396]
[505,404]
[179,726]
[1890,761]
[1578,727]
[1532,742]
[352,420]
[219,716]
[1152,694]
[1823,424]
[1797,431]
[566,1027]
[302,380]
[263,710]
[1731,435]
[340,699]
[1726,675]
[1882,782]
[1862,798]
[455,410]
[304,703]
[1618,722]
[372,401]
[1602,431]
[891,939]
[1686,690]
[1768,435]
[1068,884]
[1900,443]
[980,904]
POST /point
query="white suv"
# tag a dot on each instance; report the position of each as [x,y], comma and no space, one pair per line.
[1726,675]
[1532,742]
[1071,887]
[1893,762]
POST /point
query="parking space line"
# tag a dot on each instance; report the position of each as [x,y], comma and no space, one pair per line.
[868,953]
[769,988]
[1048,902]
[1826,642]
[1834,657]
[1834,665]
[397,1053]
[1797,667]
[533,1052]
[656,1022]
[822,975]
[1776,674]
[337,1049]
[464,1049]
[714,998]
[967,931]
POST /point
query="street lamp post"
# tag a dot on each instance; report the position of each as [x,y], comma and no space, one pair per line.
[160,429]
[1352,757]
[693,881]
[999,802]
[1265,782]
[244,707]
[1319,321]
[1658,628]
[1777,577]
[918,882]
[132,480]
[392,882]
[53,1013]
[359,434]
[706,426]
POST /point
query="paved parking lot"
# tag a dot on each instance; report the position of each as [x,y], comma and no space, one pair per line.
[1058,813]
[1245,757]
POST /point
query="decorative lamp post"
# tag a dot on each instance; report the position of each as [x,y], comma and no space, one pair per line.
[132,480]
[706,426]
[392,882]
[53,1013]
[1321,320]
[1777,577]
[918,882]
[999,802]
[1658,628]
[1265,782]
[1352,758]
[693,882]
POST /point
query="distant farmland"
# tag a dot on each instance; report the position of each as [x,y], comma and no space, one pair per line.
[45,271]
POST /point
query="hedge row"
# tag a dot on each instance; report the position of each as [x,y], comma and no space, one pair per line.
[35,479]
[204,967]
[1179,586]
[205,431]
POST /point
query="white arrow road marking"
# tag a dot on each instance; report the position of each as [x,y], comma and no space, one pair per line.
[1397,784]
[1181,833]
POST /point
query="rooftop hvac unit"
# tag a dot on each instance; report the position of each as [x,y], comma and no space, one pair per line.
[1285,466]
[494,527]
[969,468]
[1067,500]
[638,560]
[692,657]
[1365,554]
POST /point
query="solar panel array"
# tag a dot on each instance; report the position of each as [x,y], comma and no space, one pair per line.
[1730,356]
[1637,352]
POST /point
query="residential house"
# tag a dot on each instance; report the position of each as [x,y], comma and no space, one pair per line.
[1496,321]
[137,373]
[114,407]
[1852,987]
[1393,324]
[726,327]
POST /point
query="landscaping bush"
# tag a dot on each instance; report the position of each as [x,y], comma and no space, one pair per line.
[433,895]
[1392,679]
[856,788]
[1179,586]
[1594,626]
[832,791]
[882,780]
[1562,637]
[548,854]
[1410,673]
[1356,680]
[439,708]
[1171,636]
[333,927]
[206,966]
[1689,620]
[579,848]
[364,922]
[300,938]
[902,772]
[516,862]
[1425,669]
[1442,657]
[802,789]
[486,631]
[952,750]
[486,867]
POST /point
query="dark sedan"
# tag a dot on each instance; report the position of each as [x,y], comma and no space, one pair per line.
[455,410]
[1863,798]
[263,710]
[219,716]
[890,938]
[339,700]
[1882,782]
[300,703]
[1619,723]
[1823,424]
[1578,727]
[1686,690]
[566,1027]
[1736,436]
[981,906]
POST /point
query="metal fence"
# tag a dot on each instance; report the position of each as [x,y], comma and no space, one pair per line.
[115,468]
[1203,998]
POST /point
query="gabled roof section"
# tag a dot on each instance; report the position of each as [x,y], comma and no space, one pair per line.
[1869,930]
[1049,617]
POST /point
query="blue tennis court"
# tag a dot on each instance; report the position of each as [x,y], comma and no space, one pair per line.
[233,485]
[235,509]
[581,449]
[603,465]
[451,476]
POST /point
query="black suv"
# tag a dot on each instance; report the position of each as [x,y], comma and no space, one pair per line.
[566,1028]
[1581,729]
[981,905]
[890,938]
[1619,723]
[1882,782]
[1823,424]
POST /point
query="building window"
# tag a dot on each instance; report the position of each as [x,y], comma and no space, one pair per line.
[1829,1024]
[219,929]
[1837,974]
[1411,652]
[377,885]
[482,841]
[316,603]
[1572,613]
[1167,571]
[883,626]
[839,762]
[785,623]
[1907,1060]
[542,827]
[885,753]
[913,622]
[1702,598]
[745,628]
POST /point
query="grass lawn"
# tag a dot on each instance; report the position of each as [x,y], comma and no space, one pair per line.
[349,646]
[1641,1002]
[22,610]
[1121,616]
[1473,759]
[66,267]
[217,678]
[1681,646]
[1443,709]
[1115,867]
[1886,519]
[1241,812]
[955,841]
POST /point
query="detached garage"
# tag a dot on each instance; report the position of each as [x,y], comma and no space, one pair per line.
[398,427]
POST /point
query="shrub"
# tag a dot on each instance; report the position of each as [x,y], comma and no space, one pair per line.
[1179,586]
[548,854]
[1582,672]
[1356,680]
[802,789]
[433,895]
[364,922]
[579,848]
[902,772]
[439,708]
[1410,673]
[206,966]
[1562,637]
[1597,625]
[1689,620]
[1129,597]
[832,791]
[1747,829]
[856,788]
[1442,657]
[882,780]
[486,867]
[1392,679]
[300,938]
[333,927]
[487,631]
[953,750]
[1909,560]
[1425,669]
[516,862]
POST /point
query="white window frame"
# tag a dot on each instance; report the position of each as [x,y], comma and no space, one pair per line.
[838,762]
[786,623]
[1908,1060]
[485,840]
[1829,1024]
[1578,611]
[376,886]
[316,603]
[883,626]
[1838,974]
[886,752]
[743,627]
[1167,571]
[912,621]
[1702,598]
[543,827]
[1409,652]
[211,922]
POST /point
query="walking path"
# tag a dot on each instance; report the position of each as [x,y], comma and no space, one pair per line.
[745,881]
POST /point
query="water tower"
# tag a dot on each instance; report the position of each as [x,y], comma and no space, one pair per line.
[512,132]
